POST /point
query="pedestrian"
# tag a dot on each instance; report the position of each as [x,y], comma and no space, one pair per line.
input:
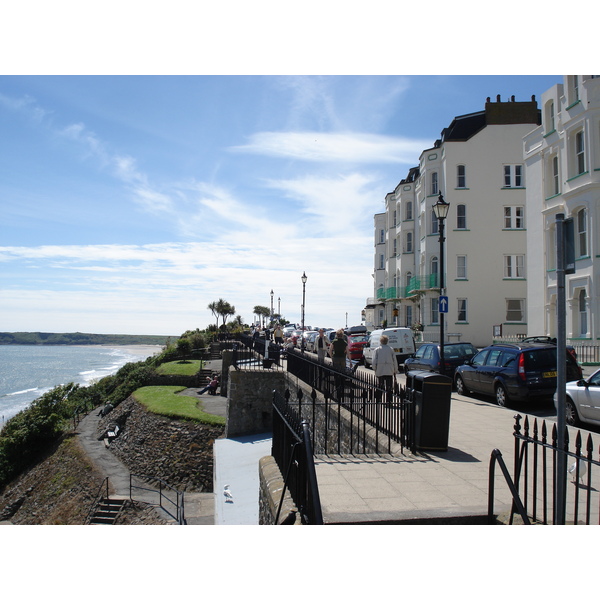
[321,346]
[385,364]
[278,335]
[339,351]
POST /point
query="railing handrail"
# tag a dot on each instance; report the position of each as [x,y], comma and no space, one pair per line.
[179,504]
[99,496]
[496,457]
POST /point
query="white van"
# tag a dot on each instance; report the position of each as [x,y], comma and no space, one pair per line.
[401,341]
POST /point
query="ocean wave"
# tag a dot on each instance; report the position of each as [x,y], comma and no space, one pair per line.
[35,389]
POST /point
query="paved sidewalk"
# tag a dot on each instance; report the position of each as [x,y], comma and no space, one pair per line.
[427,485]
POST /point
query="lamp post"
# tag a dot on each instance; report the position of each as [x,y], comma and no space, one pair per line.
[304,278]
[272,306]
[440,208]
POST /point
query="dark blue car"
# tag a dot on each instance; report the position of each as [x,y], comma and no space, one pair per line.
[512,372]
[427,357]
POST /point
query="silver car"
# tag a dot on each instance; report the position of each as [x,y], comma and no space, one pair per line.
[582,401]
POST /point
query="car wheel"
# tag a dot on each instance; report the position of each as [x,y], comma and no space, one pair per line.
[461,388]
[501,396]
[571,416]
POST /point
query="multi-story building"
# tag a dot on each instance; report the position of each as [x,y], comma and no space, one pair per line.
[478,167]
[562,159]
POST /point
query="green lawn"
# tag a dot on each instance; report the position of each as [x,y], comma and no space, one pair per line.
[163,400]
[180,367]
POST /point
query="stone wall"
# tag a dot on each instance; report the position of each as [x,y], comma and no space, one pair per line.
[250,401]
[271,486]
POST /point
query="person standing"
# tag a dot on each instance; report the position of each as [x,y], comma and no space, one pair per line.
[339,351]
[385,364]
[321,346]
[278,335]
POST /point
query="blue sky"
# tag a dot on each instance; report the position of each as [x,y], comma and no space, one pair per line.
[129,203]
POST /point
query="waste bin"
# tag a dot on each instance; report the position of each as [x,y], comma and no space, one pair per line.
[430,394]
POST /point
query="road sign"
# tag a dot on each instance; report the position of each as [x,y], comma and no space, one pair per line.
[443,306]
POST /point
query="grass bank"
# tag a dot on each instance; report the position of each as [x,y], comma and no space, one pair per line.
[166,401]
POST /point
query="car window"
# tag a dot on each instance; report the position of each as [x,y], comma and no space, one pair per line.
[541,359]
[493,357]
[595,379]
[428,353]
[479,359]
[420,352]
[507,359]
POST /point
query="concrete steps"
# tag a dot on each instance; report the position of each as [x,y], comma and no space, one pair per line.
[107,511]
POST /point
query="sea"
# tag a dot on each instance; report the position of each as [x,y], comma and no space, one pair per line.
[27,372]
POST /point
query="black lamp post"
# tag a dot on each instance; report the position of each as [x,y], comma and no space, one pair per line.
[272,294]
[440,208]
[304,278]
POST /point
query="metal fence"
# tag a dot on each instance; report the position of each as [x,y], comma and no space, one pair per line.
[169,499]
[293,453]
[535,475]
[387,413]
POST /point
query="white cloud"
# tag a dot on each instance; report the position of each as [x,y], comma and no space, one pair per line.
[335,147]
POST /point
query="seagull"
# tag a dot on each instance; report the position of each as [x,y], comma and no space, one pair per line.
[228,495]
[582,470]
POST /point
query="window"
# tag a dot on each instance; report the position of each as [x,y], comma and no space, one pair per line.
[582,233]
[382,236]
[395,246]
[514,310]
[409,211]
[513,176]
[434,306]
[514,217]
[434,223]
[555,179]
[514,266]
[583,321]
[461,267]
[408,311]
[381,261]
[434,184]
[409,242]
[434,272]
[579,153]
[462,310]
[461,216]
[461,176]
[550,125]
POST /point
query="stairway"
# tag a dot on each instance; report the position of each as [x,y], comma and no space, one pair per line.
[107,511]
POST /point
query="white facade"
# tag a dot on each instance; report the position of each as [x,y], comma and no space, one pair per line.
[478,167]
[562,159]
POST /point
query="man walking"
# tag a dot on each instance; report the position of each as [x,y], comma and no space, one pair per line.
[385,364]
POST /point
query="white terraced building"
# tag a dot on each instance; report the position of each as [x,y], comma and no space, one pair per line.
[562,159]
[478,166]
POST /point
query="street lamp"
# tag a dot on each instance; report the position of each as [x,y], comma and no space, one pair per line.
[304,278]
[440,209]
[272,306]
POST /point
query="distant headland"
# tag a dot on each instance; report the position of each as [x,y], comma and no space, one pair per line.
[81,339]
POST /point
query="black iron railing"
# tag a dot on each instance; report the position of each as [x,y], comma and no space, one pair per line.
[174,508]
[388,411]
[535,475]
[293,453]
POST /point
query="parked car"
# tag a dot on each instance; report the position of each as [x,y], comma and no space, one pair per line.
[401,341]
[427,357]
[310,338]
[582,402]
[511,372]
[356,343]
[356,330]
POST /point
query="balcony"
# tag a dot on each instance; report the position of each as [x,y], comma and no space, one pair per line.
[424,282]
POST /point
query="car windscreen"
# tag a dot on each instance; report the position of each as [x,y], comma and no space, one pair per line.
[459,351]
[543,359]
[358,338]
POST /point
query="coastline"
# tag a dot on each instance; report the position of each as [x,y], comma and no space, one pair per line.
[136,350]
